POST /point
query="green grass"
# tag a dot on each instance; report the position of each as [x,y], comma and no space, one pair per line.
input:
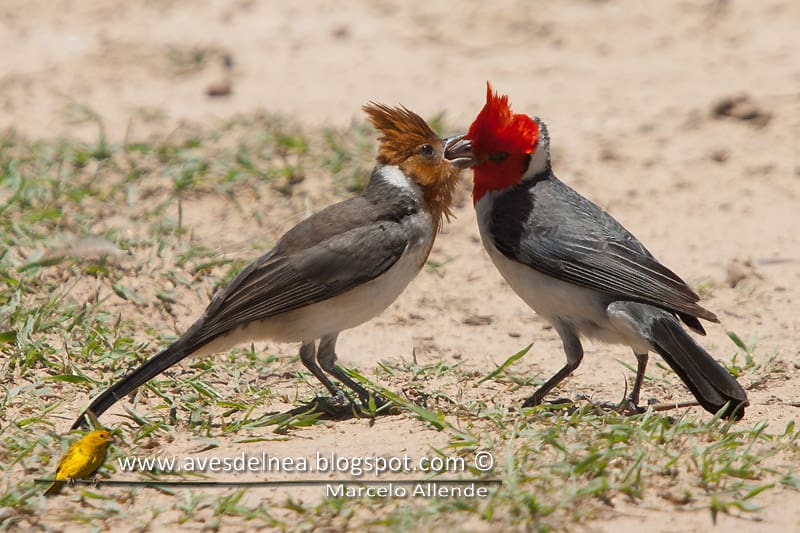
[99,265]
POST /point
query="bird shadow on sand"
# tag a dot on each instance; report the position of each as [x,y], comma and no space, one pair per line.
[331,408]
[624,407]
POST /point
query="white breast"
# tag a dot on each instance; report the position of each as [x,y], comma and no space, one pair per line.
[553,299]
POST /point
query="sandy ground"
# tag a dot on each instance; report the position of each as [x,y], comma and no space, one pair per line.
[631,94]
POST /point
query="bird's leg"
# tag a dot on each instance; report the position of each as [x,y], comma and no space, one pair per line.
[326,355]
[549,385]
[641,365]
[630,404]
[308,358]
[574,352]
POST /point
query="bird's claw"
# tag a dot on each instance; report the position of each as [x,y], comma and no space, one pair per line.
[630,407]
[341,407]
[339,399]
[557,402]
[338,406]
[560,401]
[625,407]
[377,400]
[535,400]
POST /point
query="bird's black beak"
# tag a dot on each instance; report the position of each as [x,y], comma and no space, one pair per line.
[458,151]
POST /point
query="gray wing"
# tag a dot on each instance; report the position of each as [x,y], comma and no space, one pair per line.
[575,240]
[280,281]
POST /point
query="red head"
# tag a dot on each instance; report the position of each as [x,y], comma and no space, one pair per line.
[502,143]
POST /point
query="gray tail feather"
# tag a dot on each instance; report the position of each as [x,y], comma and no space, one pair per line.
[712,385]
[151,368]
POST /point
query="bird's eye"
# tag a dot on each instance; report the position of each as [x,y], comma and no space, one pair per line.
[498,157]
[426,150]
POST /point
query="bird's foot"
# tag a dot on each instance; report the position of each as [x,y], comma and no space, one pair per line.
[375,403]
[340,407]
[559,403]
[537,399]
[336,407]
[626,407]
[630,407]
[340,398]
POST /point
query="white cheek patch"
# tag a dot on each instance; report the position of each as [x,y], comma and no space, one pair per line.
[540,161]
[395,177]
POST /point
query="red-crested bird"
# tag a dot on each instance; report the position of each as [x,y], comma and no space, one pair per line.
[578,268]
[334,270]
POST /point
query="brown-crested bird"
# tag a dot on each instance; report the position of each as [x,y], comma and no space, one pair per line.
[336,269]
[578,268]
[81,460]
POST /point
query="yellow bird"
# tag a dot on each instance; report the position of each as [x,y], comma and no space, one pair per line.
[82,459]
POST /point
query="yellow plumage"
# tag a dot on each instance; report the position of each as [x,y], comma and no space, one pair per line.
[82,459]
